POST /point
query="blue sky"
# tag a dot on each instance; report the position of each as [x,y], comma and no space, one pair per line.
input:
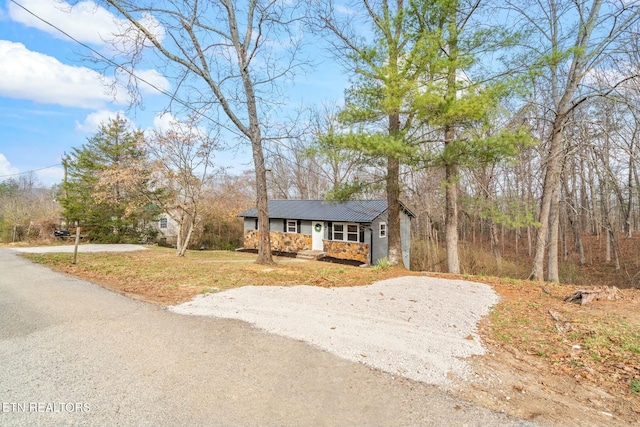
[51,100]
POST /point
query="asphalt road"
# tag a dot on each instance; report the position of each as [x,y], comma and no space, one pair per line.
[73,353]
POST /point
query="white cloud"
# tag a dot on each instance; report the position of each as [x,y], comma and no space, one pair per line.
[608,78]
[165,121]
[42,78]
[6,168]
[152,80]
[50,176]
[345,10]
[85,21]
[92,122]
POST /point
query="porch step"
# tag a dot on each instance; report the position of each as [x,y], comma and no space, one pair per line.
[311,255]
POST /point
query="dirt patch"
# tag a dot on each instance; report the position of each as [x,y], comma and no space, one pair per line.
[563,373]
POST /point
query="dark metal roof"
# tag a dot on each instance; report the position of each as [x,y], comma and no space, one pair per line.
[322,210]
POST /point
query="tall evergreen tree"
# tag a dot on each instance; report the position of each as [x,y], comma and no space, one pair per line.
[378,107]
[415,73]
[105,219]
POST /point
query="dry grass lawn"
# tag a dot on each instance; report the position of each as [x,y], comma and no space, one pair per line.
[160,277]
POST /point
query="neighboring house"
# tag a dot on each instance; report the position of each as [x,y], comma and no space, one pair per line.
[167,231]
[354,230]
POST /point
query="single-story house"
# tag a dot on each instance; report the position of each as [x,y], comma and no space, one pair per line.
[167,230]
[353,230]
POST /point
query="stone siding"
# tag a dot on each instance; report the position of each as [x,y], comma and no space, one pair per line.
[293,243]
[280,242]
[347,250]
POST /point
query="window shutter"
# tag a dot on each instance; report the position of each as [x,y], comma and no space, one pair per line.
[361,234]
[330,226]
[298,225]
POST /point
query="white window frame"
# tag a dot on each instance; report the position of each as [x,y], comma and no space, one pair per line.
[382,230]
[163,223]
[345,232]
[289,222]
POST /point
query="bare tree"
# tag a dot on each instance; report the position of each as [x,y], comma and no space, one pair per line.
[571,39]
[226,59]
[183,158]
[27,209]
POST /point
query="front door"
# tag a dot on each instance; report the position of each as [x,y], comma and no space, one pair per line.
[317,234]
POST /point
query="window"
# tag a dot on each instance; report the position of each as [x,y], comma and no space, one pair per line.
[383,230]
[163,222]
[292,226]
[352,233]
[346,232]
[338,231]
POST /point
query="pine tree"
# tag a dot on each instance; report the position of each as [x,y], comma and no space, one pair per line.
[106,219]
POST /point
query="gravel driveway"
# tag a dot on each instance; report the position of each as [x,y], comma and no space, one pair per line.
[421,328]
[74,353]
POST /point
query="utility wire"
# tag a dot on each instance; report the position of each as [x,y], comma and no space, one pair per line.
[172,96]
[111,62]
[27,172]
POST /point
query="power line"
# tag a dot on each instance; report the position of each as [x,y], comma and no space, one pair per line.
[113,63]
[172,96]
[30,171]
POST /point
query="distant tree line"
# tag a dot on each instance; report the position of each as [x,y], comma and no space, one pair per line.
[27,210]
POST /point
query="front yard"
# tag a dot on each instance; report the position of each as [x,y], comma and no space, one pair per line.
[586,373]
[160,277]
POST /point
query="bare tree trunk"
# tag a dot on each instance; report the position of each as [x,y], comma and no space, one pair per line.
[517,238]
[552,268]
[563,236]
[549,189]
[574,217]
[607,255]
[564,104]
[627,219]
[614,246]
[255,136]
[179,238]
[495,244]
[605,220]
[264,237]
[187,239]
